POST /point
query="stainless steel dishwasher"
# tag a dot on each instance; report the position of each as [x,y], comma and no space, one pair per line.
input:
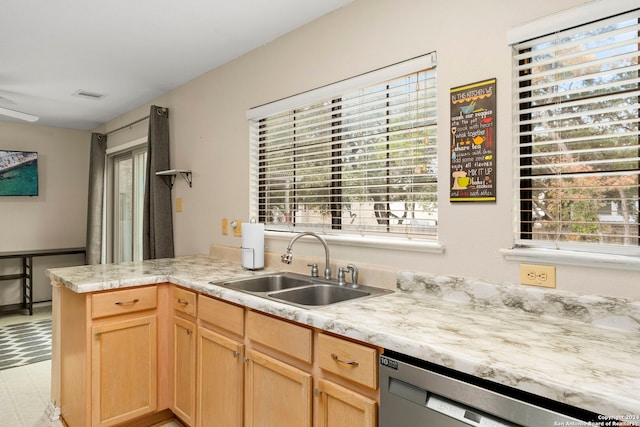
[414,393]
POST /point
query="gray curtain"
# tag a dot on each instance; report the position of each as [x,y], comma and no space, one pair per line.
[158,221]
[97,158]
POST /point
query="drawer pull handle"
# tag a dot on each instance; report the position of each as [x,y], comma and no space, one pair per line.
[189,331]
[127,302]
[236,354]
[183,302]
[353,363]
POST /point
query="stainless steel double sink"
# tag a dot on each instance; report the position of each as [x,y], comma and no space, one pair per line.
[299,290]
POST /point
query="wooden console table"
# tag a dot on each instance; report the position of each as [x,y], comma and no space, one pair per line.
[26,276]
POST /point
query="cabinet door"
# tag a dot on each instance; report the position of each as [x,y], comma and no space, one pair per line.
[123,370]
[220,380]
[276,394]
[184,369]
[341,407]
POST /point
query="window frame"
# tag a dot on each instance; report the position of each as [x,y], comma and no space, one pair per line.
[325,92]
[525,250]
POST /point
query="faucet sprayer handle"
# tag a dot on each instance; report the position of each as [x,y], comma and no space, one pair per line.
[341,279]
[354,274]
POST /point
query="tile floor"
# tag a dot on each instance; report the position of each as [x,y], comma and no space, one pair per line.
[25,392]
[40,311]
[24,395]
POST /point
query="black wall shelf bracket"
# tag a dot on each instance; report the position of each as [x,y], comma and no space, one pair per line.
[169,176]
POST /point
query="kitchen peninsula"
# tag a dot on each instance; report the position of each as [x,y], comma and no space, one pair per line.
[499,333]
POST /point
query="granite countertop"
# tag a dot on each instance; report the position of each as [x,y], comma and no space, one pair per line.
[586,357]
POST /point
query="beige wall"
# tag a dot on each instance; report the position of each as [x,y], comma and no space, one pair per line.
[56,218]
[209,131]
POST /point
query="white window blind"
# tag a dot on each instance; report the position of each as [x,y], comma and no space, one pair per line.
[359,162]
[578,127]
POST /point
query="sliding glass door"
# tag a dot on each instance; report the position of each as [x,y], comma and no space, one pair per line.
[128,193]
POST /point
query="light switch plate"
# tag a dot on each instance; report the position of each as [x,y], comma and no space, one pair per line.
[225,226]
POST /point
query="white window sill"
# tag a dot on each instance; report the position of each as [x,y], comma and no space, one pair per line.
[368,242]
[565,257]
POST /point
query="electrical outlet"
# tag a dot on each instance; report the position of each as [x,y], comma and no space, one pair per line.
[538,275]
[237,229]
[225,226]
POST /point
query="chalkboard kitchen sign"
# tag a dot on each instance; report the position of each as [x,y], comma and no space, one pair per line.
[473,142]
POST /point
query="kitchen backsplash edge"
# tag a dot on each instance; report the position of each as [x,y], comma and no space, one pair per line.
[600,311]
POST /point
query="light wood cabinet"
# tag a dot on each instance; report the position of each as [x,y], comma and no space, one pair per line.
[184,369]
[353,402]
[220,385]
[220,380]
[108,355]
[288,339]
[277,394]
[282,361]
[123,370]
[183,354]
[224,316]
[130,355]
[278,386]
[184,301]
[125,301]
[341,407]
[353,361]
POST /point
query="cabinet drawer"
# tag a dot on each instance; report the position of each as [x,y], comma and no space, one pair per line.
[123,301]
[290,339]
[184,301]
[224,315]
[352,361]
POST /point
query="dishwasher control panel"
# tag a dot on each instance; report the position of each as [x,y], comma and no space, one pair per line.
[463,413]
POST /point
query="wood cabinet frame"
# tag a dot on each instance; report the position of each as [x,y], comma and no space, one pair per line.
[221,323]
[76,383]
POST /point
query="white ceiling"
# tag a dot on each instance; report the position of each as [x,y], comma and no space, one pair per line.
[131,51]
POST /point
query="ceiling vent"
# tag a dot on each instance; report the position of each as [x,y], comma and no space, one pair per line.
[89,95]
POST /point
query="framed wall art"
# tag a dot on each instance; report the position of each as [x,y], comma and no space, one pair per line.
[473,142]
[18,173]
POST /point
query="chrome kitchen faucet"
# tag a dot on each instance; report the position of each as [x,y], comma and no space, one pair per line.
[288,257]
